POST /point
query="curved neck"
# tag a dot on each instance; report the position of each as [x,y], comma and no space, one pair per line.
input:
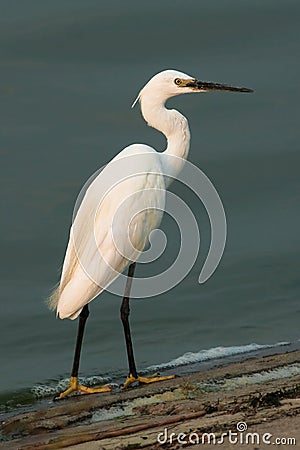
[173,125]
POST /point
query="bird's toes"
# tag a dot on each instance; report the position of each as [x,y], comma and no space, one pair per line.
[57,397]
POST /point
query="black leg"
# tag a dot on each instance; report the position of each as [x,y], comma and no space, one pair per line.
[133,376]
[74,385]
[81,326]
[125,310]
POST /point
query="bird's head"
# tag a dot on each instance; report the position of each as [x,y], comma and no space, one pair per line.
[170,83]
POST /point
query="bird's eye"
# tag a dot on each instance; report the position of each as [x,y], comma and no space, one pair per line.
[177,81]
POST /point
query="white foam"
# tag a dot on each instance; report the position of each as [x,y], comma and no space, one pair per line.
[213,353]
[265,376]
[54,387]
[46,390]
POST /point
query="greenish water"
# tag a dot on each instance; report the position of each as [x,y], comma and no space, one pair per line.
[69,73]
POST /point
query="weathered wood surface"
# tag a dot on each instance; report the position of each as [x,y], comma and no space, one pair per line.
[180,405]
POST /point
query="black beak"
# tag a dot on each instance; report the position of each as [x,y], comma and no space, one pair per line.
[210,86]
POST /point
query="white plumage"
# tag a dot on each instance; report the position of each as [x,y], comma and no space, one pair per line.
[103,242]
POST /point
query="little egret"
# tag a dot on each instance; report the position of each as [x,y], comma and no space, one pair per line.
[77,287]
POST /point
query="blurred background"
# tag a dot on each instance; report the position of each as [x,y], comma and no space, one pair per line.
[70,70]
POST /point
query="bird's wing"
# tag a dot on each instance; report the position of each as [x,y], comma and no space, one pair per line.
[110,231]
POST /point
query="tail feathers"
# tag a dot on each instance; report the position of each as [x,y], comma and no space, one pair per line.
[77,293]
[53,301]
[54,298]
[53,305]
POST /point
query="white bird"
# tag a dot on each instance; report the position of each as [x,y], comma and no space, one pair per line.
[118,212]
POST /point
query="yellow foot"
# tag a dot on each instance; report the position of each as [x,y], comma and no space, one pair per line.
[75,386]
[145,380]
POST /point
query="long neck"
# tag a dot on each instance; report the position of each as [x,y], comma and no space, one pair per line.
[174,126]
